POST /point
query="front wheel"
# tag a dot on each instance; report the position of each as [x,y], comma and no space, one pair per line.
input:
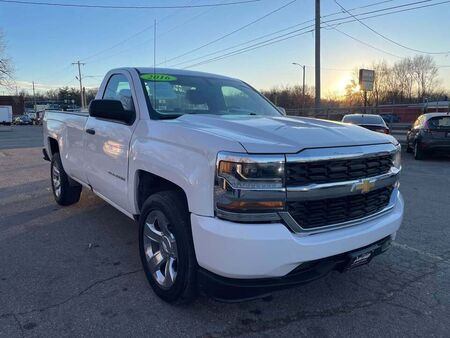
[65,191]
[166,247]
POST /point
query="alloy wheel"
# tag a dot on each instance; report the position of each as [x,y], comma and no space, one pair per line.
[160,249]
[56,180]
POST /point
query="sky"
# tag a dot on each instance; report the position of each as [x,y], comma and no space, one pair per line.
[43,41]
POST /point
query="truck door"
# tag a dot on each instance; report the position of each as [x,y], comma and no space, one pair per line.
[107,145]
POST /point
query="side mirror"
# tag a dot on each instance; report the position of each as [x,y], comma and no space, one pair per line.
[111,110]
[282,111]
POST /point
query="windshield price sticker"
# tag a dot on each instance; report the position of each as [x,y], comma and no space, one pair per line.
[158,77]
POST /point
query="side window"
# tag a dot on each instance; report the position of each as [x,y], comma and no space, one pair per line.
[118,88]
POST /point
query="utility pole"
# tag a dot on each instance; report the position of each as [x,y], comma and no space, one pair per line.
[365,101]
[79,64]
[303,88]
[34,98]
[84,97]
[317,32]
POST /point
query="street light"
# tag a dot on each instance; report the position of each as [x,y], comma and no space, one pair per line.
[303,66]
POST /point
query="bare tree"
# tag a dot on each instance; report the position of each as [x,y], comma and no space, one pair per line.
[381,84]
[6,68]
[403,78]
[425,74]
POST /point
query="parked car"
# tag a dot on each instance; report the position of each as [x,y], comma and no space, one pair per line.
[231,196]
[390,118]
[430,134]
[368,121]
[23,120]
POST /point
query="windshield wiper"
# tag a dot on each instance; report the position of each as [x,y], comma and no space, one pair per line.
[169,116]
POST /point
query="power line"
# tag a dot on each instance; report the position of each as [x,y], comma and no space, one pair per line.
[59,4]
[234,31]
[384,36]
[202,13]
[149,27]
[116,44]
[142,31]
[364,43]
[247,49]
[278,31]
[132,36]
[336,23]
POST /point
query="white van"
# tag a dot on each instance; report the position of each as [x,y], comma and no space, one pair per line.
[6,115]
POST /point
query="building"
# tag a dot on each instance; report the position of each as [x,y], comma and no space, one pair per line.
[17,103]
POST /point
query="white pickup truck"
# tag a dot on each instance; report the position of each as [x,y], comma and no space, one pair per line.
[232,197]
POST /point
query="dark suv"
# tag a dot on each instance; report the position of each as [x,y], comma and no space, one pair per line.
[430,133]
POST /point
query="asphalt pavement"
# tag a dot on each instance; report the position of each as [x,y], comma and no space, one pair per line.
[75,271]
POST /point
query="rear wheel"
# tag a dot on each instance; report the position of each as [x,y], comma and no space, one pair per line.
[418,151]
[166,247]
[65,190]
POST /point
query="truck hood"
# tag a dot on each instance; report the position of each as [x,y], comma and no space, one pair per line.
[259,134]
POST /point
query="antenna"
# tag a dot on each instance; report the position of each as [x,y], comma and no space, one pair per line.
[154,63]
[154,44]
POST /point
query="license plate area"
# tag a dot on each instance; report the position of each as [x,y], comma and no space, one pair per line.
[360,257]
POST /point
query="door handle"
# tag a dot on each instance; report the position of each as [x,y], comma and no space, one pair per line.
[90,131]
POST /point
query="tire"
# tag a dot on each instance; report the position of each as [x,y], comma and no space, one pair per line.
[419,154]
[168,259]
[65,190]
[408,148]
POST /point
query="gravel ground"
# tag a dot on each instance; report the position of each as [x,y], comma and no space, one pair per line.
[75,271]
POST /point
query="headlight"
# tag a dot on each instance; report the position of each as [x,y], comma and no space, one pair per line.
[249,184]
[397,158]
[252,175]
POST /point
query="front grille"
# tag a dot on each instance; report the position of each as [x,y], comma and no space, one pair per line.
[329,171]
[320,213]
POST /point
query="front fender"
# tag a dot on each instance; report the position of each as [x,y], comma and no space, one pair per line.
[181,157]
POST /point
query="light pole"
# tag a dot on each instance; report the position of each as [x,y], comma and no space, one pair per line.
[303,87]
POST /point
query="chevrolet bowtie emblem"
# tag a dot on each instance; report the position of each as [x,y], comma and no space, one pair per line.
[364,186]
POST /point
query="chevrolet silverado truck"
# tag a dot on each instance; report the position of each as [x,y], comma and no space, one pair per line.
[232,197]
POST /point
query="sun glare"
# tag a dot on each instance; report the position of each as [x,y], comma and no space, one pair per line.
[343,83]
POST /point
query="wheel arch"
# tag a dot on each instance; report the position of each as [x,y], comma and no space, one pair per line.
[147,184]
[53,146]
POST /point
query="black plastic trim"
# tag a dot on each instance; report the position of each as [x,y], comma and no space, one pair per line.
[44,152]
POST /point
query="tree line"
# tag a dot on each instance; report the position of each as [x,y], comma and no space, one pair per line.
[409,80]
[63,96]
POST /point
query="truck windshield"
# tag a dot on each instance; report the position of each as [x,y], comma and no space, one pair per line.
[174,95]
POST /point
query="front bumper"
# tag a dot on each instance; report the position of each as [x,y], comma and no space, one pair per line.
[232,289]
[253,251]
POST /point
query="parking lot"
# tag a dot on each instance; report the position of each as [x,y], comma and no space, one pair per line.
[75,271]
